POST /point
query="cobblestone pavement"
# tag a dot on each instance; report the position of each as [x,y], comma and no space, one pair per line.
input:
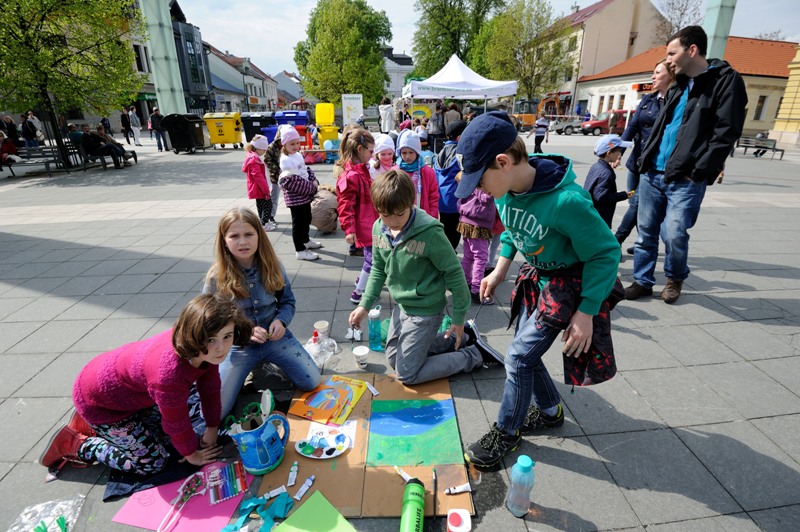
[699,430]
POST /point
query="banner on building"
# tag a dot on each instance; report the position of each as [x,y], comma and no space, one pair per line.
[352,108]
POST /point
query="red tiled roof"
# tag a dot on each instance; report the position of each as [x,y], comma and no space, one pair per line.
[236,62]
[577,18]
[751,57]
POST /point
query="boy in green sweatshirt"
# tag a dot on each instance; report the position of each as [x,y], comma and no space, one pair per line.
[573,259]
[413,258]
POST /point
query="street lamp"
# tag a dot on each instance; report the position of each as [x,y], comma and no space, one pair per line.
[246,71]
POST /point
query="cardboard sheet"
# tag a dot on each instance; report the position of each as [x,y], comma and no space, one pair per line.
[357,490]
[147,508]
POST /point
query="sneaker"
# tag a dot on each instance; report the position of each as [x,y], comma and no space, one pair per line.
[536,419]
[672,291]
[269,226]
[63,447]
[720,177]
[313,244]
[272,219]
[356,252]
[630,250]
[127,156]
[355,297]
[635,291]
[489,354]
[306,255]
[492,447]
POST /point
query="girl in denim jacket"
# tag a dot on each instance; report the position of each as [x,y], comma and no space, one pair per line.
[247,269]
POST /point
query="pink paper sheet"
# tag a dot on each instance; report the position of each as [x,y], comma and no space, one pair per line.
[147,508]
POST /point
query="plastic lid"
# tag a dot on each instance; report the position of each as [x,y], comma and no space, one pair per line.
[454,520]
[525,463]
[375,313]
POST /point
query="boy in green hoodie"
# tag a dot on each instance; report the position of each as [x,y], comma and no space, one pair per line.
[572,259]
[411,255]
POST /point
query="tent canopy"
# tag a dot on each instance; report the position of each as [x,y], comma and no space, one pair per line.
[457,81]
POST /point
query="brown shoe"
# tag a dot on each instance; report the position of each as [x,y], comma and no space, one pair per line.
[635,291]
[672,291]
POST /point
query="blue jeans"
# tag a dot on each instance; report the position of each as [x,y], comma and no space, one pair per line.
[161,139]
[286,353]
[629,218]
[526,375]
[670,209]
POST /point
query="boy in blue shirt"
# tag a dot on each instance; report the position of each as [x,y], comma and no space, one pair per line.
[572,259]
[601,181]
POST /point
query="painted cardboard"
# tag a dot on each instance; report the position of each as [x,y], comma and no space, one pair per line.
[360,491]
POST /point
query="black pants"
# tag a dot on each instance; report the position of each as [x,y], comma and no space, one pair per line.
[450,223]
[537,147]
[113,151]
[264,208]
[301,222]
[127,132]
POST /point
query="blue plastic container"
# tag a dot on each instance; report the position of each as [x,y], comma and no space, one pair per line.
[518,500]
[269,132]
[375,342]
[293,118]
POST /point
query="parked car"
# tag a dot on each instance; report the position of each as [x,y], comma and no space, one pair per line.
[566,126]
[599,126]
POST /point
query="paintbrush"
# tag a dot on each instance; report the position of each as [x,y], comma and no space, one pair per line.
[433,517]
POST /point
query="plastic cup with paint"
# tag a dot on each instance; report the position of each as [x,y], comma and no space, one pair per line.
[360,353]
[321,327]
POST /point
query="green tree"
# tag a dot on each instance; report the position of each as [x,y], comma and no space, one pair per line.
[342,53]
[448,27]
[527,42]
[68,54]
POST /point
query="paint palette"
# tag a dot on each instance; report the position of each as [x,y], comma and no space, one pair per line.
[323,447]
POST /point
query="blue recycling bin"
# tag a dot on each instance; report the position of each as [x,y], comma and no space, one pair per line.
[269,132]
[293,118]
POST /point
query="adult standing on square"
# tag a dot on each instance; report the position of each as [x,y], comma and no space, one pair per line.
[126,124]
[136,125]
[701,119]
[158,129]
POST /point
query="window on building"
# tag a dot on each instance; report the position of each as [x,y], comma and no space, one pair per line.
[568,74]
[573,43]
[192,59]
[601,107]
[142,61]
[778,109]
[621,104]
[759,114]
[609,102]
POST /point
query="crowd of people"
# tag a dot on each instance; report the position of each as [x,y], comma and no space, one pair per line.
[391,205]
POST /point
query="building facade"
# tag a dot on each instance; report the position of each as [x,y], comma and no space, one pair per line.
[764,65]
[398,66]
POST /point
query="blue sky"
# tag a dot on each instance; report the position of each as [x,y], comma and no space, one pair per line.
[268,31]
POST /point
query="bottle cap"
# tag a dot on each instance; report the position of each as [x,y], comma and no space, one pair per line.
[375,313]
[454,520]
[525,463]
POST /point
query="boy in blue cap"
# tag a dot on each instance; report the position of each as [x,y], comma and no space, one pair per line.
[601,181]
[571,267]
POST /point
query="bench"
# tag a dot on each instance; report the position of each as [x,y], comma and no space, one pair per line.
[759,144]
[45,155]
[85,159]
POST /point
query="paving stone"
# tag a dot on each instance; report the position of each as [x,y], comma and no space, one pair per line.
[53,336]
[750,467]
[69,269]
[172,282]
[56,379]
[93,307]
[81,286]
[13,333]
[28,419]
[748,340]
[740,522]
[657,488]
[11,305]
[749,390]
[19,369]
[680,398]
[783,431]
[31,287]
[147,305]
[110,334]
[43,308]
[691,345]
[778,519]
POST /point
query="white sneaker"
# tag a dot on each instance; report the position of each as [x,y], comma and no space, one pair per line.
[269,226]
[313,244]
[306,255]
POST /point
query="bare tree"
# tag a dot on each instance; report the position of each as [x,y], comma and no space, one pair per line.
[677,14]
[774,35]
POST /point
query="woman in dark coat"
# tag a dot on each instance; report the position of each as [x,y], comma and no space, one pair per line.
[638,130]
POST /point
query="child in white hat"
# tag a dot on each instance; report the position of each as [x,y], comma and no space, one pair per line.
[299,186]
[382,156]
[257,185]
[409,150]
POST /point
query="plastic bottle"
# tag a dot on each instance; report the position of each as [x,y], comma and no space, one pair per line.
[458,520]
[375,342]
[412,515]
[518,500]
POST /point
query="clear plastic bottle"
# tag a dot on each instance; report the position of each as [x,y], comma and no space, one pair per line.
[375,342]
[518,500]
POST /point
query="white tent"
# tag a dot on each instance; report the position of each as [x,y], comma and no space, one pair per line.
[457,81]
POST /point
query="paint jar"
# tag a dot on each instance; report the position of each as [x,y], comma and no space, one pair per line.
[375,342]
[458,520]
[360,353]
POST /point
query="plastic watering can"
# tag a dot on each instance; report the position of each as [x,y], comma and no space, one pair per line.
[260,445]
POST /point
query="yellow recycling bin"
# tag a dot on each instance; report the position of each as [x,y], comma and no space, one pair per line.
[224,128]
[327,133]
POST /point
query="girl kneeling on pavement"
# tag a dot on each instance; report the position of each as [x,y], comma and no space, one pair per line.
[132,403]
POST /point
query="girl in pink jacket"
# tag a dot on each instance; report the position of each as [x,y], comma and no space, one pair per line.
[257,185]
[356,213]
[409,151]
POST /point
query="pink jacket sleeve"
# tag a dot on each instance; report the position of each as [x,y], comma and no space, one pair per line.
[346,192]
[430,191]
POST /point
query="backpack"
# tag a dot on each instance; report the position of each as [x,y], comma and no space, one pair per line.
[448,203]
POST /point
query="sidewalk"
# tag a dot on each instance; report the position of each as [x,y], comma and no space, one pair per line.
[698,431]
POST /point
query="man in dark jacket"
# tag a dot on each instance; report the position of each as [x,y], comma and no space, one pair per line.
[691,138]
[93,144]
[158,129]
[126,124]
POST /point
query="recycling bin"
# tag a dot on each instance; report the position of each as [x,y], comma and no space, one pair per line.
[254,123]
[325,114]
[185,132]
[327,133]
[270,132]
[224,128]
[293,118]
